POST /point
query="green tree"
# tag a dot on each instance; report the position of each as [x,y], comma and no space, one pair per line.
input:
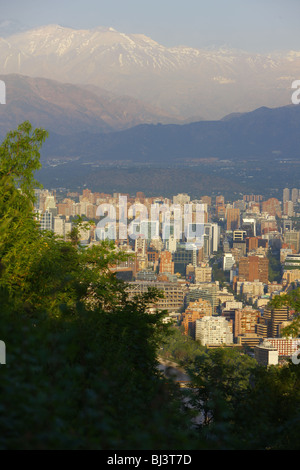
[269,415]
[291,300]
[81,367]
[219,380]
[275,268]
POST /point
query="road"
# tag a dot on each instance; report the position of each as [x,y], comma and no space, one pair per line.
[172,370]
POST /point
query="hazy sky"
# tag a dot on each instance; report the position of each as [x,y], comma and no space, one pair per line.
[255,25]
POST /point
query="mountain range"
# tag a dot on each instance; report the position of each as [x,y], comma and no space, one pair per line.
[67,109]
[92,125]
[93,137]
[125,112]
[264,133]
[185,82]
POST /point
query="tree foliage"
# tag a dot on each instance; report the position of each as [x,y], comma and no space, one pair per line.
[81,366]
[291,300]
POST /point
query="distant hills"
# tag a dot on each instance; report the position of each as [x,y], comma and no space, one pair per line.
[92,125]
[256,151]
[185,82]
[67,109]
[265,133]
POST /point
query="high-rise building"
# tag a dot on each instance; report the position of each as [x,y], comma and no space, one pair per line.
[269,325]
[253,243]
[213,232]
[141,253]
[59,226]
[248,224]
[252,197]
[182,257]
[166,263]
[250,289]
[254,268]
[46,220]
[245,321]
[272,207]
[233,218]
[171,244]
[220,206]
[295,195]
[181,199]
[288,208]
[239,235]
[212,330]
[286,195]
[228,261]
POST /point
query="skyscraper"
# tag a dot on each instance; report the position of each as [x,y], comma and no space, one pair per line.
[233,218]
[295,195]
[286,195]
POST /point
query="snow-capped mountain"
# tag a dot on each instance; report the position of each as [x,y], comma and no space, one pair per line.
[182,80]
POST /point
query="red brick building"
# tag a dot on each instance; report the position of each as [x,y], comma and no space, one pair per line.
[254,268]
[166,263]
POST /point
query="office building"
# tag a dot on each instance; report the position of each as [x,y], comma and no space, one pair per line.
[254,268]
[220,207]
[182,257]
[228,261]
[270,324]
[173,293]
[232,218]
[46,220]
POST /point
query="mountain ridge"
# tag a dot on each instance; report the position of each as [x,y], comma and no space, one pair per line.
[262,133]
[182,80]
[66,108]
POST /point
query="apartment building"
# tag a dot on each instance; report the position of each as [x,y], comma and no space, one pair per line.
[211,330]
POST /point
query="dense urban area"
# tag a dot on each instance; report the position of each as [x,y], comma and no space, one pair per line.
[218,290]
